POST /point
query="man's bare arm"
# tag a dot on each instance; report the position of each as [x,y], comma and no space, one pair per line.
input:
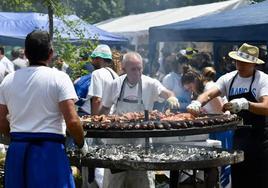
[95,105]
[104,110]
[208,95]
[260,108]
[166,94]
[72,120]
[4,123]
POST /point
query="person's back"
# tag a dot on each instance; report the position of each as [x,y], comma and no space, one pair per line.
[38,90]
[36,99]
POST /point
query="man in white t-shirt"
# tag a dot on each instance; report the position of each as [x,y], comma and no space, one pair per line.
[40,104]
[101,78]
[133,92]
[20,61]
[247,93]
[6,66]
[135,87]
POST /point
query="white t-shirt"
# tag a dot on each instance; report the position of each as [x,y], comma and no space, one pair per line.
[6,67]
[20,63]
[100,79]
[151,89]
[131,93]
[241,85]
[32,96]
[3,72]
[172,81]
[209,107]
[8,64]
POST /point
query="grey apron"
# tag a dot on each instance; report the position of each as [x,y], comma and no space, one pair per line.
[128,179]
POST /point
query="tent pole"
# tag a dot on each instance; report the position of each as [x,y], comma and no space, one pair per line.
[216,58]
[151,56]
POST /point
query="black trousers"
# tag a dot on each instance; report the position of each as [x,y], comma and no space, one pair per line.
[253,171]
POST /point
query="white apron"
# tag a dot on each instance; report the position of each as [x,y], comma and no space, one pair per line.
[128,179]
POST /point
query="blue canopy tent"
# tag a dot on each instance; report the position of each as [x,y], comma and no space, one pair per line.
[245,24]
[15,27]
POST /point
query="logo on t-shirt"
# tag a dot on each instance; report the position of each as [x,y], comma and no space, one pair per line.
[241,90]
[131,97]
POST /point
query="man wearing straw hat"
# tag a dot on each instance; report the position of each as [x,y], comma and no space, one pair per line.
[247,92]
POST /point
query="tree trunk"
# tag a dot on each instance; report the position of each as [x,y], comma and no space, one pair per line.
[50,20]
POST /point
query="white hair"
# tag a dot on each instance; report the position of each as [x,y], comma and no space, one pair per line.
[130,55]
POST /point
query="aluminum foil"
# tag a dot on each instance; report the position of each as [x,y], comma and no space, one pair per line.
[160,153]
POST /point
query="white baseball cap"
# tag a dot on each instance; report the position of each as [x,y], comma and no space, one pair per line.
[102,51]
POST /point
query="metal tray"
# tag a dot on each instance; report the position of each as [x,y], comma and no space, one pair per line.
[98,133]
[233,158]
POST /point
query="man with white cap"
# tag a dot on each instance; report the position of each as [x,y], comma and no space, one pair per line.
[133,92]
[100,78]
[247,92]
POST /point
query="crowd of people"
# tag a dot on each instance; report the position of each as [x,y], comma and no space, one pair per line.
[38,105]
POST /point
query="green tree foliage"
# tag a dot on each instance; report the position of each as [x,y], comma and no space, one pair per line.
[140,6]
[94,11]
[65,50]
[16,5]
[74,55]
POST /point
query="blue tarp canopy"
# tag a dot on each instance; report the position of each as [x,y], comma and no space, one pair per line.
[245,24]
[248,23]
[15,26]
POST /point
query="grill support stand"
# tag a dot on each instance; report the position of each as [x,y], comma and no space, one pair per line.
[174,178]
[147,139]
[147,145]
[211,178]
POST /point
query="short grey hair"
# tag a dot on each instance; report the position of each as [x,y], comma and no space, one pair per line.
[128,56]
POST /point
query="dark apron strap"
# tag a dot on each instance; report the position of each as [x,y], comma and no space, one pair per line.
[230,87]
[232,82]
[122,92]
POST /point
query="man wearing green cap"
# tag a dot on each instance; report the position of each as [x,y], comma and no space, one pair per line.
[247,92]
[102,61]
[100,78]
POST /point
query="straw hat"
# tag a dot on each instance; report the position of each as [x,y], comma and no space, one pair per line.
[247,53]
[102,51]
